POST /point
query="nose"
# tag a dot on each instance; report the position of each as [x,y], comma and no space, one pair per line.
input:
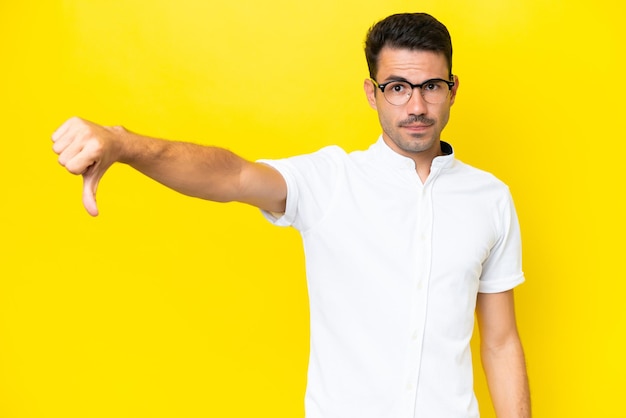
[416,104]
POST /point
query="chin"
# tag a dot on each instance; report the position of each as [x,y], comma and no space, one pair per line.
[418,144]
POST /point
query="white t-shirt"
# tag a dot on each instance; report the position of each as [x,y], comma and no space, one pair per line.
[393,269]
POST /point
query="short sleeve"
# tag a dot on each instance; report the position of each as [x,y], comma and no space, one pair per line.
[311,184]
[502,270]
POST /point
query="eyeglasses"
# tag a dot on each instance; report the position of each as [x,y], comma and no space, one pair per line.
[434,91]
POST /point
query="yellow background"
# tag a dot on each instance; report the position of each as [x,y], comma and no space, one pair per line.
[166,306]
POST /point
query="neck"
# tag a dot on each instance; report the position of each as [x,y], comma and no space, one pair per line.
[423,158]
[422,165]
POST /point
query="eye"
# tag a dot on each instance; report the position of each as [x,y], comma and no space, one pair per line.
[397,88]
[432,86]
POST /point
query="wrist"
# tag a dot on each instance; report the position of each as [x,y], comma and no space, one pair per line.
[123,144]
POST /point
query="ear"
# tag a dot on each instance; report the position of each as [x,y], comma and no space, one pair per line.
[370,92]
[454,89]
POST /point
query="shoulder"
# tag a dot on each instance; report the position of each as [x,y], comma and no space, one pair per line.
[322,160]
[472,177]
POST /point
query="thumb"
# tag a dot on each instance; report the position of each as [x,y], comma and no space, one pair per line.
[90,186]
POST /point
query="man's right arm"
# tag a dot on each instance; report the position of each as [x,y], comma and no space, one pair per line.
[210,173]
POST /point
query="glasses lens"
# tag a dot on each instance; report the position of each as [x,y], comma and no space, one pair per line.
[435,91]
[398,92]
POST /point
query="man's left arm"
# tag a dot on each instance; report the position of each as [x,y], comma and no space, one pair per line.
[502,355]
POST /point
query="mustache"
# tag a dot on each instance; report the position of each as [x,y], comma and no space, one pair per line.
[413,119]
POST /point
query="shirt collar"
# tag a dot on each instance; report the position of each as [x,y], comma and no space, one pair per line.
[394,159]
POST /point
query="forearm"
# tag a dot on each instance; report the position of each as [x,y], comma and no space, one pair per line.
[211,173]
[505,368]
[195,170]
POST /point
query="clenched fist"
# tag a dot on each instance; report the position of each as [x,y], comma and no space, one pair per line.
[87,149]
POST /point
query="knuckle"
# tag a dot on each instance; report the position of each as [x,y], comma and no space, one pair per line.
[95,146]
[75,120]
[73,168]
[94,149]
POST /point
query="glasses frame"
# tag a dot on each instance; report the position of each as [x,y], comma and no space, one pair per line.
[413,87]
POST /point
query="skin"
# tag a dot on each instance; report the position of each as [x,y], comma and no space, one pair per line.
[413,130]
[211,173]
[502,355]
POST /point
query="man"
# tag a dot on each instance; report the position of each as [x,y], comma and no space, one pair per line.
[403,242]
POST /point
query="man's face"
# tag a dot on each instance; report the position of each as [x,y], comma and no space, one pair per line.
[412,129]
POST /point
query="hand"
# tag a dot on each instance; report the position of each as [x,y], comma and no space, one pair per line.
[87,149]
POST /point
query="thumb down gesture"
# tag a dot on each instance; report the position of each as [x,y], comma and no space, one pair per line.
[87,149]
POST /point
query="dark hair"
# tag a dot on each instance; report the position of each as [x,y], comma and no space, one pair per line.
[415,31]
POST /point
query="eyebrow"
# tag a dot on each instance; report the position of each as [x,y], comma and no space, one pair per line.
[403,79]
[395,78]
